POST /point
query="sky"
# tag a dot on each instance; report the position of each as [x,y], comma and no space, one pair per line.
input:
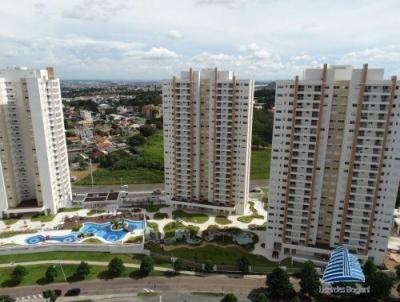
[155,39]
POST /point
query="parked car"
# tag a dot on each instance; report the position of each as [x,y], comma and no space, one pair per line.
[73,292]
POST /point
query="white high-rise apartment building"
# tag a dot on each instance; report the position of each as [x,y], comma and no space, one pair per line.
[34,173]
[207,140]
[335,163]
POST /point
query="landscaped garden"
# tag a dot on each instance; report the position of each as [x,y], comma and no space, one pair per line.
[43,218]
[223,220]
[190,217]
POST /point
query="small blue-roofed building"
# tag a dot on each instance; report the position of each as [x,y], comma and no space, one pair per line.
[343,267]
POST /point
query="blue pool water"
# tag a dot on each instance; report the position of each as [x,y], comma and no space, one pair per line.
[102,230]
[40,238]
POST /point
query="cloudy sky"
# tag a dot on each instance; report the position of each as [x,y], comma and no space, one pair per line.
[153,39]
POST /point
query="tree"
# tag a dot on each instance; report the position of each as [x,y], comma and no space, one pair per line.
[208,266]
[136,140]
[51,295]
[82,164]
[380,285]
[229,298]
[309,279]
[244,264]
[116,267]
[19,273]
[147,130]
[369,269]
[178,265]
[295,299]
[5,298]
[146,266]
[261,298]
[82,270]
[397,268]
[51,273]
[278,283]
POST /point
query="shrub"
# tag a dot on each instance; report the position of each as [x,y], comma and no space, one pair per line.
[229,298]
[146,266]
[244,264]
[51,273]
[19,273]
[208,266]
[159,216]
[50,295]
[82,270]
[178,265]
[116,267]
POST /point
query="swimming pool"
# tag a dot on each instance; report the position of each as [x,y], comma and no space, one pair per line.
[101,230]
[69,238]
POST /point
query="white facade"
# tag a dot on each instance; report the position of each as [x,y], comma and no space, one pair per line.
[335,163]
[207,140]
[34,173]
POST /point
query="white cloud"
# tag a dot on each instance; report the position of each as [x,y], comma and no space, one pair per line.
[159,53]
[227,3]
[132,39]
[89,10]
[174,35]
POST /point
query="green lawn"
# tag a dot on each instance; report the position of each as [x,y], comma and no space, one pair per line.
[11,220]
[190,217]
[135,176]
[36,274]
[43,218]
[155,207]
[160,216]
[9,234]
[153,225]
[260,164]
[84,256]
[218,255]
[153,149]
[95,211]
[69,209]
[223,220]
[93,241]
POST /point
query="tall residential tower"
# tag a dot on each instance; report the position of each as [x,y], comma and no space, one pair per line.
[335,163]
[207,140]
[34,174]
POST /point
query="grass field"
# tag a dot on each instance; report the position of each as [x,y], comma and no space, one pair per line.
[260,164]
[84,256]
[113,177]
[190,217]
[153,149]
[151,152]
[36,274]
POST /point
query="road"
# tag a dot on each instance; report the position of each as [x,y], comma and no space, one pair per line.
[187,284]
[145,188]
